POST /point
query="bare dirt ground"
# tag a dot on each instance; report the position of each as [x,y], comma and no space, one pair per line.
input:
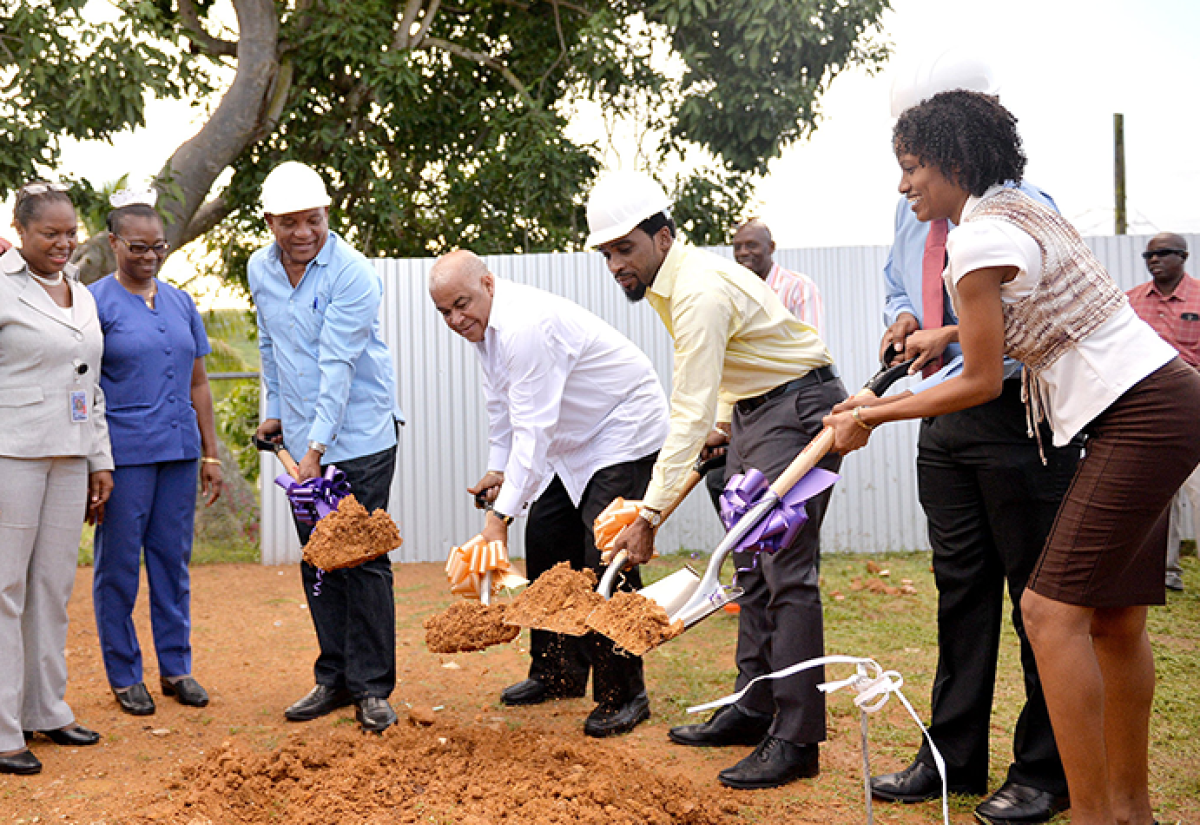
[457,756]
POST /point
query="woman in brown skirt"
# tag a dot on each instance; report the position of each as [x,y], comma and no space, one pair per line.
[1025,285]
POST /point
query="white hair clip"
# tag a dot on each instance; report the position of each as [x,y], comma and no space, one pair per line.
[129,197]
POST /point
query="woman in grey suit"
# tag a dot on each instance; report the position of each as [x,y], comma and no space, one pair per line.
[56,466]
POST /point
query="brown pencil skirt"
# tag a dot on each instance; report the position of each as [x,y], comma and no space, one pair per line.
[1108,544]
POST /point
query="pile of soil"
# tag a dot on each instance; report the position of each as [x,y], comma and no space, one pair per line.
[348,537]
[559,601]
[635,623]
[466,626]
[413,773]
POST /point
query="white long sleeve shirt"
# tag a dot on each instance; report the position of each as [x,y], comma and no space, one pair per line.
[566,394]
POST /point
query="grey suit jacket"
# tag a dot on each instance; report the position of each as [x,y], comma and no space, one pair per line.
[46,361]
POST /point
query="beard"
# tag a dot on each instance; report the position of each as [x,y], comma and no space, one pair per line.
[636,293]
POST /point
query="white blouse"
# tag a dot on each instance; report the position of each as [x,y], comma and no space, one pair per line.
[1090,376]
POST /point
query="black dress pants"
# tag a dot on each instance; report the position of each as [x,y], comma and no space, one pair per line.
[354,610]
[780,622]
[990,503]
[557,531]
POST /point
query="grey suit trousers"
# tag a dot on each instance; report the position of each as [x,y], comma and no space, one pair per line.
[42,502]
[780,622]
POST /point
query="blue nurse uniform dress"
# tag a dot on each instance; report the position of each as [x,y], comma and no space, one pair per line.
[146,375]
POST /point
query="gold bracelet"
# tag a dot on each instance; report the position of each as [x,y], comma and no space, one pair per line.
[857,416]
[210,460]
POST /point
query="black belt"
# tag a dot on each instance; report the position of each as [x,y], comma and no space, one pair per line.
[818,376]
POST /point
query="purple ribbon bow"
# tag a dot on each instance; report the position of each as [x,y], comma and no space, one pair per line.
[778,528]
[314,499]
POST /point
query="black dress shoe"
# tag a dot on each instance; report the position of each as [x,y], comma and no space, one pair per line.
[135,700]
[187,691]
[23,763]
[318,702]
[774,762]
[729,725]
[375,714]
[1014,803]
[535,691]
[612,720]
[75,736]
[916,783]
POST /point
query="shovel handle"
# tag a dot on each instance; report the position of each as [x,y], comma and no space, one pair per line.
[289,463]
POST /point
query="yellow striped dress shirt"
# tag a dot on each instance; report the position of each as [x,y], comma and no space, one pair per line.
[733,338]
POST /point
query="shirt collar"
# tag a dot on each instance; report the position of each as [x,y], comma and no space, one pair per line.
[323,257]
[664,281]
[974,201]
[1184,290]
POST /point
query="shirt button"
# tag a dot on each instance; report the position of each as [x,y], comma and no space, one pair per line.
[162,327]
[168,350]
[171,399]
[174,424]
[170,373]
[79,336]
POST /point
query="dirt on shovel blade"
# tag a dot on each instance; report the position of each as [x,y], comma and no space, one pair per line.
[348,537]
[635,623]
[467,626]
[559,601]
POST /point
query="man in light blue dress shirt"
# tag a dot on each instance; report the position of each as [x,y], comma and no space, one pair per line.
[331,399]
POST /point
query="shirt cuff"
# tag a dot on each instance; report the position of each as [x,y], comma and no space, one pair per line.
[509,501]
[321,432]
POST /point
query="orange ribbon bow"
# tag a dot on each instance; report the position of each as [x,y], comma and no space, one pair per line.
[467,566]
[616,517]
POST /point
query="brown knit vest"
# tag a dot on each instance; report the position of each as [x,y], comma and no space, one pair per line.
[1074,296]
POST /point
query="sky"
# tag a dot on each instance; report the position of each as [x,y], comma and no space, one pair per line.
[1064,67]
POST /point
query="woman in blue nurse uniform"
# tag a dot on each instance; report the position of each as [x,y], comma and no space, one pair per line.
[161,424]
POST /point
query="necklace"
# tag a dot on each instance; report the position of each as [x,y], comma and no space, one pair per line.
[54,280]
[148,297]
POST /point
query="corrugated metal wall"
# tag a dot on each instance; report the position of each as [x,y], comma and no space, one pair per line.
[443,448]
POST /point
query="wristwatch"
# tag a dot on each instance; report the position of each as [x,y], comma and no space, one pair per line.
[653,517]
[506,519]
[317,447]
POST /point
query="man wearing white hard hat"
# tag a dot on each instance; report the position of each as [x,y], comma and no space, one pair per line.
[743,363]
[990,502]
[331,399]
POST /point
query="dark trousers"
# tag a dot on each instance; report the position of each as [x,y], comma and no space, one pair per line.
[354,610]
[780,622]
[559,531]
[990,503]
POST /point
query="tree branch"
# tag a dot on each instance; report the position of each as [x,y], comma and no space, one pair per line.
[206,217]
[194,29]
[484,60]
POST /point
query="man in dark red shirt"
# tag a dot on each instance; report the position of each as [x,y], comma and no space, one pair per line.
[1170,303]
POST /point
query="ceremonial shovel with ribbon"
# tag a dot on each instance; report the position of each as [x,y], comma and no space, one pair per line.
[311,500]
[761,517]
[479,569]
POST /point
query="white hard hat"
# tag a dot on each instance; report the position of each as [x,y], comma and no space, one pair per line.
[293,187]
[619,202]
[951,69]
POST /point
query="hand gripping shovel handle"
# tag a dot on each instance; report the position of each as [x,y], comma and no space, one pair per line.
[285,458]
[698,472]
[701,603]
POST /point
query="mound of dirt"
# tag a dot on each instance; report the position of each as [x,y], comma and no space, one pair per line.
[560,601]
[634,622]
[348,537]
[441,773]
[466,626]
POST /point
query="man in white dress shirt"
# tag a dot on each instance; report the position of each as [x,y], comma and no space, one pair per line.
[575,419]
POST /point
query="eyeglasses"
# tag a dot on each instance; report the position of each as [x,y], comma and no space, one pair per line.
[1162,253]
[43,188]
[159,249]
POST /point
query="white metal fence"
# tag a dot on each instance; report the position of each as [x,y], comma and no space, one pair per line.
[443,448]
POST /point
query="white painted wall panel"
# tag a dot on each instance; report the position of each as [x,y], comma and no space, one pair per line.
[443,447]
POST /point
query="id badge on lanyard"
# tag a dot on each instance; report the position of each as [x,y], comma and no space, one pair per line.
[79,398]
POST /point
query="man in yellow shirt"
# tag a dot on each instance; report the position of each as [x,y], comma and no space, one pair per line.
[747,372]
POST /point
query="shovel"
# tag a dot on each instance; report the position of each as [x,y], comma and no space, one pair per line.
[694,601]
[678,582]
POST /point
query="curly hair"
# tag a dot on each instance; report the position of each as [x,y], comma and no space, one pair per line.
[969,136]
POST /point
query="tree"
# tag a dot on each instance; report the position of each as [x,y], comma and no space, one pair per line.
[436,124]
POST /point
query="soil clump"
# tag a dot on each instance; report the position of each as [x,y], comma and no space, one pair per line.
[634,623]
[348,537]
[559,601]
[467,626]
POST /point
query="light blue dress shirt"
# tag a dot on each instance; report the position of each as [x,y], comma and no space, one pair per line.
[327,371]
[902,276]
